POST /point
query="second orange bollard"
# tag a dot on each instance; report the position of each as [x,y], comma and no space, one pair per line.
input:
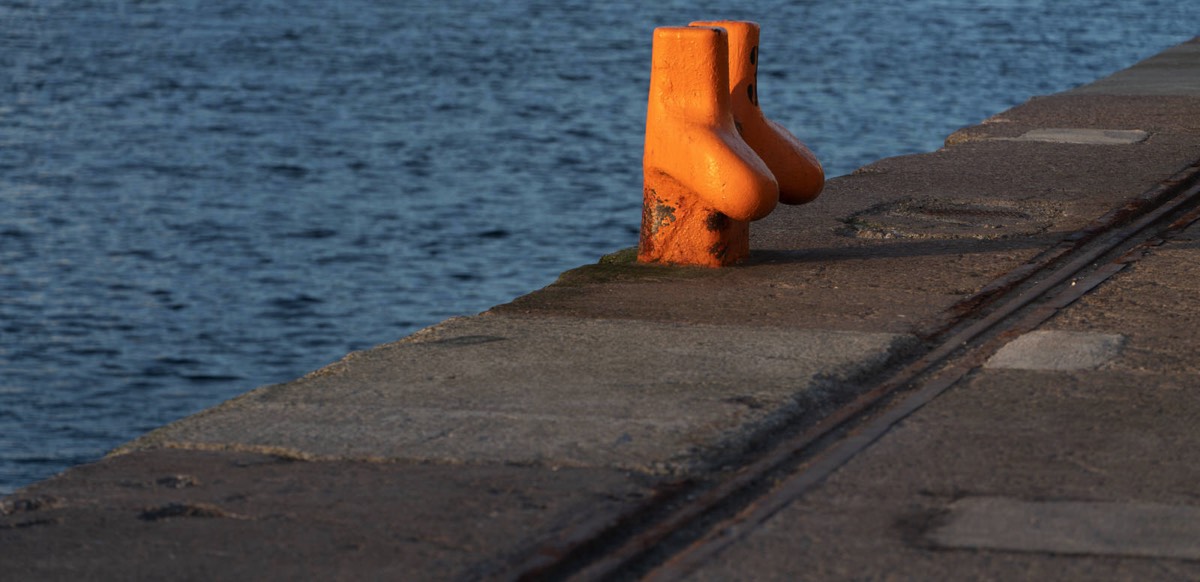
[796,169]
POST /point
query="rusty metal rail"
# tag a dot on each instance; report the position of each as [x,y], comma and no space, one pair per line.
[689,522]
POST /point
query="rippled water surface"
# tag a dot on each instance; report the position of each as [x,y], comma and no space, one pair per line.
[197,198]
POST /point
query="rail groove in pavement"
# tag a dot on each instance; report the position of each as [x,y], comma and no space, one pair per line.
[688,522]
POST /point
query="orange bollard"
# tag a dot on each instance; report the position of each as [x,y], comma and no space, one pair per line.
[796,169]
[702,182]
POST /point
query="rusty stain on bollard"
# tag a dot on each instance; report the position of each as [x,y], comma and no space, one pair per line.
[703,183]
[796,169]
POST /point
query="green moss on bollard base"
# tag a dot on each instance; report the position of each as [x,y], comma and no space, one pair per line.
[622,266]
[621,257]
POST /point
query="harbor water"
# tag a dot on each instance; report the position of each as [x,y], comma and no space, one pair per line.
[201,197]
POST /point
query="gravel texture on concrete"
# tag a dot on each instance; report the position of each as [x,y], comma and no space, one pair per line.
[1115,447]
[642,396]
[192,515]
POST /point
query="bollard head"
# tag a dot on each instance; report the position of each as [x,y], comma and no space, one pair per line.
[690,132]
[797,171]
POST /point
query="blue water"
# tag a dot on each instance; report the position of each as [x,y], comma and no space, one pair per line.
[200,197]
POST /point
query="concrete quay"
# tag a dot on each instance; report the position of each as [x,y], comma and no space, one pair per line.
[634,421]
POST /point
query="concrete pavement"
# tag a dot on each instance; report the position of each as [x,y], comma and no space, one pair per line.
[1069,455]
[469,449]
[1025,471]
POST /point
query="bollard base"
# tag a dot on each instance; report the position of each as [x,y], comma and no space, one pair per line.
[678,228]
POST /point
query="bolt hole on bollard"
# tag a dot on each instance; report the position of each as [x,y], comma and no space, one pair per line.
[713,162]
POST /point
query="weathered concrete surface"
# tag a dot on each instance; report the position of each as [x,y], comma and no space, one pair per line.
[650,397]
[187,515]
[1175,71]
[895,245]
[1124,434]
[575,403]
[1120,437]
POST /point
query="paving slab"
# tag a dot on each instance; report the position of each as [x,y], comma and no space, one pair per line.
[1058,350]
[651,397]
[1072,527]
[1085,136]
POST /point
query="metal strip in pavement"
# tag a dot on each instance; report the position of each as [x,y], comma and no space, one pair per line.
[846,432]
[839,453]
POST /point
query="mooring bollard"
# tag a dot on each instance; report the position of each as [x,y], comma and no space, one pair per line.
[796,169]
[712,161]
[702,183]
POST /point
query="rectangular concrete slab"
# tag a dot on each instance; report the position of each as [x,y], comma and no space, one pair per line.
[652,397]
[1085,136]
[1058,350]
[1072,527]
